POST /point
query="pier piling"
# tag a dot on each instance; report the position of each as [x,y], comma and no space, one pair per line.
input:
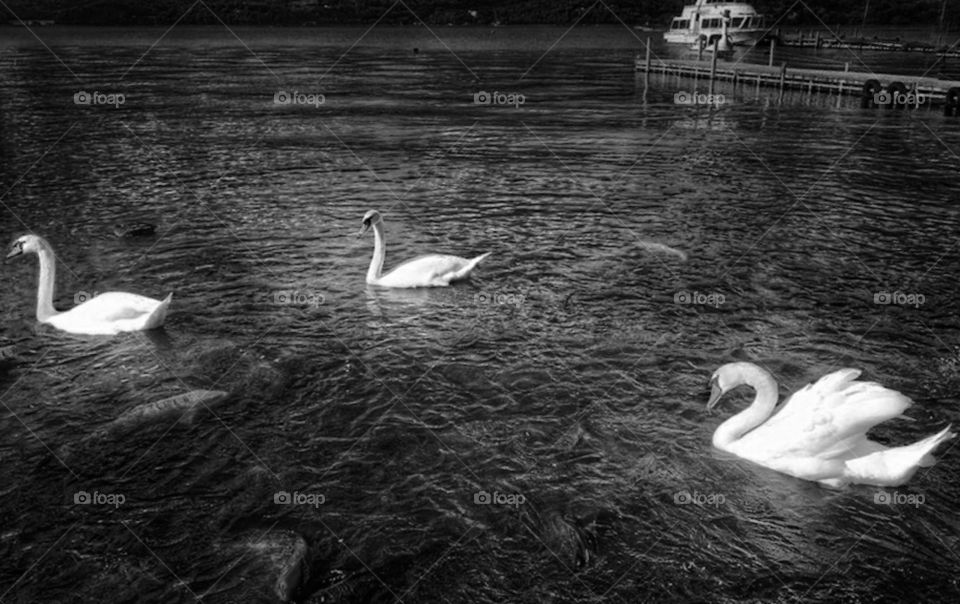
[713,64]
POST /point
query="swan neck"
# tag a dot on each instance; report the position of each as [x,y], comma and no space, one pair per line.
[759,410]
[48,269]
[379,253]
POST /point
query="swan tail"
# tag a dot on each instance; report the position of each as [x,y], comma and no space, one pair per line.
[464,272]
[159,314]
[930,443]
[896,465]
[479,258]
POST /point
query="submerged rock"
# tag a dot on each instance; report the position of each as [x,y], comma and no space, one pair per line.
[134,229]
[652,246]
[182,405]
[7,356]
[281,555]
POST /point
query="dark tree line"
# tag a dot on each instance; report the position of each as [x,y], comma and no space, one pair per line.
[654,13]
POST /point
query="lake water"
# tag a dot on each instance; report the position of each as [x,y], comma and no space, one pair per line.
[637,245]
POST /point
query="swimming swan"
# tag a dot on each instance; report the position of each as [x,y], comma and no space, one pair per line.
[819,433]
[426,271]
[106,314]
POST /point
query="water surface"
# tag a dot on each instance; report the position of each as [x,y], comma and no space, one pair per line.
[570,371]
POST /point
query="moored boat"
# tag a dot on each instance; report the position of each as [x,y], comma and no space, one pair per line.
[703,22]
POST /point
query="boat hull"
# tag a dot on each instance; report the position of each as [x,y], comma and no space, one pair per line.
[739,38]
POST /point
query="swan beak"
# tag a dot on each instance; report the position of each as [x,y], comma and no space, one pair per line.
[715,393]
[16,251]
[363,230]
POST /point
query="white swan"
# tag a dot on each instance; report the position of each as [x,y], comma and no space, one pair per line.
[106,314]
[426,271]
[819,433]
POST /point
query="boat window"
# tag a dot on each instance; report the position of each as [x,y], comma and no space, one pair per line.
[736,22]
[680,24]
[708,23]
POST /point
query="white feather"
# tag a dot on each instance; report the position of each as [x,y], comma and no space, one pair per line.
[819,433]
[106,314]
[435,270]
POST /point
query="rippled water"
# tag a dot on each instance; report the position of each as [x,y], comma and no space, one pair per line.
[569,371]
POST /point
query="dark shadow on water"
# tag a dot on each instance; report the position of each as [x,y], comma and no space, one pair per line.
[159,338]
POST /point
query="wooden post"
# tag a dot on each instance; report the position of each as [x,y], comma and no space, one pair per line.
[773,44]
[818,39]
[846,66]
[840,94]
[943,13]
[713,64]
[783,78]
[648,55]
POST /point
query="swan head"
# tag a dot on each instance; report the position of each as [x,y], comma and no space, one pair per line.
[369,219]
[728,377]
[25,245]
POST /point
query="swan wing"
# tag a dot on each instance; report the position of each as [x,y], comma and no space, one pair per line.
[432,270]
[113,312]
[114,306]
[856,446]
[827,418]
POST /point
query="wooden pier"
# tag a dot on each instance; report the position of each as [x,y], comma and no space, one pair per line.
[902,90]
[816,39]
